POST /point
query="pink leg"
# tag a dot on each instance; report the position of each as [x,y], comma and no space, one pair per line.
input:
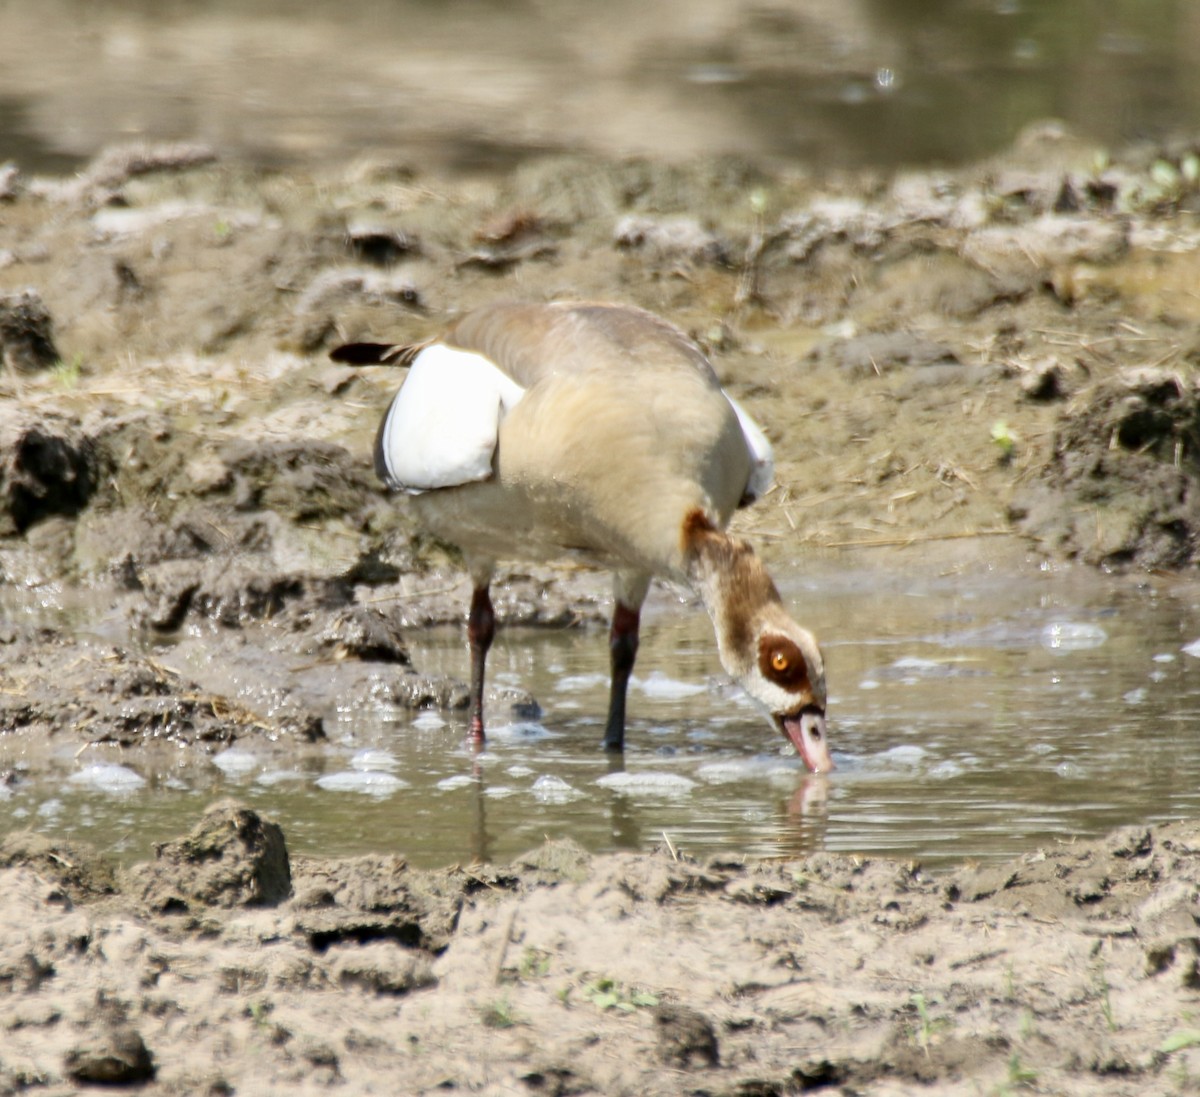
[623,646]
[481,628]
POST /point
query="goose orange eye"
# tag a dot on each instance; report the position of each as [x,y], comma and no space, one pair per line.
[779,661]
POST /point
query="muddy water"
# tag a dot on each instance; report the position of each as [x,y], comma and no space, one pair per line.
[978,708]
[475,85]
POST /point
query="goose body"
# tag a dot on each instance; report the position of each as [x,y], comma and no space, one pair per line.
[599,431]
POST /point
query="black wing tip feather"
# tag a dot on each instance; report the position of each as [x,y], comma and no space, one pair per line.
[368,354]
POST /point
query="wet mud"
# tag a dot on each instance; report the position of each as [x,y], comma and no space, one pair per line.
[224,966]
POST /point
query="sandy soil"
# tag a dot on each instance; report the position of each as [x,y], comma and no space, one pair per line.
[1007,350]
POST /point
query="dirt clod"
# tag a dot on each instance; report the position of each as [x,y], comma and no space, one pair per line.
[233,857]
[114,1056]
[48,466]
[26,332]
[1125,461]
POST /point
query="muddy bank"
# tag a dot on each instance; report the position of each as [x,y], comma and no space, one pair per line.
[194,553]
[223,966]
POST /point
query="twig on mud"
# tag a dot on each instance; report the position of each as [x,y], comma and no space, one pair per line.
[916,538]
[326,529]
[498,969]
[162,669]
[674,853]
[404,596]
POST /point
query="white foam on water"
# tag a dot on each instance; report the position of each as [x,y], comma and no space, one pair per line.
[459,780]
[235,762]
[364,782]
[660,686]
[744,769]
[647,783]
[572,682]
[374,761]
[907,754]
[108,777]
[525,731]
[554,790]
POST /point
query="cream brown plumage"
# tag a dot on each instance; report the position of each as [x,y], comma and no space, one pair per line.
[534,431]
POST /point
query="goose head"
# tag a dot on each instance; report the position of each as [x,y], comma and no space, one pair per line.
[776,662]
[786,676]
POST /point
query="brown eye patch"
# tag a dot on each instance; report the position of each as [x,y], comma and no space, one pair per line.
[782,662]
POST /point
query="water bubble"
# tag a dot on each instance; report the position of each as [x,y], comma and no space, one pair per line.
[524,731]
[554,790]
[650,783]
[110,778]
[235,763]
[368,783]
[369,761]
[1072,636]
[908,754]
[659,685]
[458,780]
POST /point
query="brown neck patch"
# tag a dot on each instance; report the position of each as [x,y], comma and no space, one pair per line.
[729,564]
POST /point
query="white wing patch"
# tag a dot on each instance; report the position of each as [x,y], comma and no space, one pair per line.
[442,427]
[762,456]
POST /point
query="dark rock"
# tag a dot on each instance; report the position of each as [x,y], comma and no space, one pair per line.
[379,245]
[26,332]
[1045,382]
[47,466]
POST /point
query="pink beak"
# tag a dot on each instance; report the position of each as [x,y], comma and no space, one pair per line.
[806,731]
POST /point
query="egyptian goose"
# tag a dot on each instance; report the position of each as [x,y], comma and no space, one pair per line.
[599,430]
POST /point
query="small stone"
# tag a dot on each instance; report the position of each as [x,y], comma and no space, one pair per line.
[686,1037]
[116,1056]
[1044,382]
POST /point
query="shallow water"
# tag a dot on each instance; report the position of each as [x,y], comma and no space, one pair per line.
[977,709]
